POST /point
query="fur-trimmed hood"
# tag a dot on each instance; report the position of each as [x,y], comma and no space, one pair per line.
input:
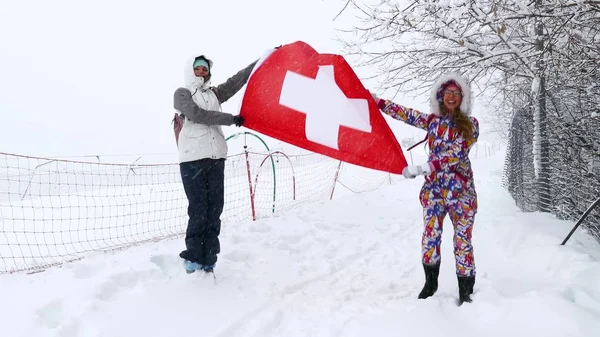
[465,105]
[190,79]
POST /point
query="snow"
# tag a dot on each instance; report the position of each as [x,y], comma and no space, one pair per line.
[346,267]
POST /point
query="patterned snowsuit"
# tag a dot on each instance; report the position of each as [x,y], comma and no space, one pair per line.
[449,189]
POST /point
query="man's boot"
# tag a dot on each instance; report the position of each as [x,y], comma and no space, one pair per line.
[465,288]
[431,280]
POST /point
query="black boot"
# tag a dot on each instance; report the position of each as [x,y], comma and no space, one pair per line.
[431,280]
[465,288]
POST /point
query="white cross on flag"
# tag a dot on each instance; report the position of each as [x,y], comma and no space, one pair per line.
[316,102]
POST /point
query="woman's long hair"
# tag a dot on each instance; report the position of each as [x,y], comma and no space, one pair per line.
[461,121]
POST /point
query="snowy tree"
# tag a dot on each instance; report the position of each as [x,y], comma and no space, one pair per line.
[520,52]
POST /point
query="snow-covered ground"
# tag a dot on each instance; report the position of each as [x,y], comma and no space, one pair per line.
[347,267]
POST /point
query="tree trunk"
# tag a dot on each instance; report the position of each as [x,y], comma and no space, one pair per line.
[541,150]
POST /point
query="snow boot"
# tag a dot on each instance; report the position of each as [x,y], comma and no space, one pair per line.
[191,267]
[209,269]
[431,280]
[465,288]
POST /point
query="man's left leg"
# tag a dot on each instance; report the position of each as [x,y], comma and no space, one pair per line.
[216,200]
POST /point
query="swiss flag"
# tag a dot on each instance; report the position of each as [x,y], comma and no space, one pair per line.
[316,102]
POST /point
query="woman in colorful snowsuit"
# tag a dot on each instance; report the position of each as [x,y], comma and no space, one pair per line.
[202,152]
[449,188]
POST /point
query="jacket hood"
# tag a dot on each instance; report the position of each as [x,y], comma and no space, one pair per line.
[190,79]
[442,81]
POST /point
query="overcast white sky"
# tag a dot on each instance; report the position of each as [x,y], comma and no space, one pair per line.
[97,77]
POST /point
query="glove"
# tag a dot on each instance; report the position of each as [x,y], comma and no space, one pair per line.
[238,120]
[412,171]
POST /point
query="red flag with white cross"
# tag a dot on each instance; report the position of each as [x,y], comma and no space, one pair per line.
[316,102]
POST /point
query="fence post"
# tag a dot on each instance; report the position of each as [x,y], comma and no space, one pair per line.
[337,172]
[131,169]
[250,184]
[33,175]
[248,164]
[585,214]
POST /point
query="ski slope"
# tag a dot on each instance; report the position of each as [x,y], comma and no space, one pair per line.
[347,267]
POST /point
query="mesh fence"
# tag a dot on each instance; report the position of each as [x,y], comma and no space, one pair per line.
[566,181]
[52,211]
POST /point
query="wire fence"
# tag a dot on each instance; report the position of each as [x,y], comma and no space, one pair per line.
[566,180]
[54,211]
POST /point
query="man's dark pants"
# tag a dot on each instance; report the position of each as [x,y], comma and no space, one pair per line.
[203,182]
